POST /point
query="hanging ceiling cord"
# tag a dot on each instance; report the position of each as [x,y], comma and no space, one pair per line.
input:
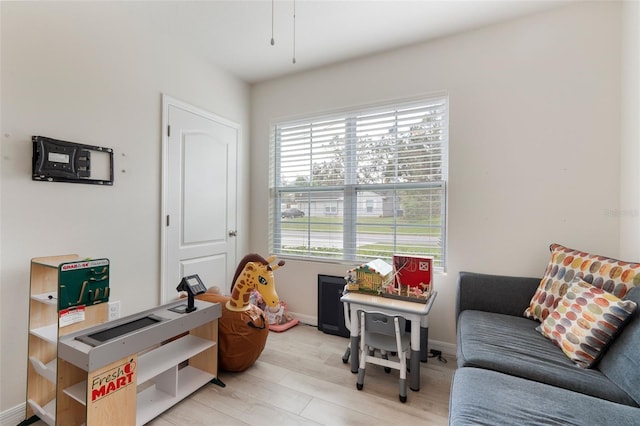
[294,31]
[273,42]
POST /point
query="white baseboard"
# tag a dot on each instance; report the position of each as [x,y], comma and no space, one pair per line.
[444,347]
[13,416]
[306,319]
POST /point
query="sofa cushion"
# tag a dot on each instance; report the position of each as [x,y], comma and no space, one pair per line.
[585,321]
[611,275]
[502,294]
[621,362]
[512,345]
[483,397]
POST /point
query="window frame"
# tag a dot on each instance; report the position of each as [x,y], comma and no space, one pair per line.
[350,190]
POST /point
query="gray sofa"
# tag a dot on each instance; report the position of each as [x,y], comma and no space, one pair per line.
[508,373]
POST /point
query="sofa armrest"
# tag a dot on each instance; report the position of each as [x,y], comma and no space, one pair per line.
[494,293]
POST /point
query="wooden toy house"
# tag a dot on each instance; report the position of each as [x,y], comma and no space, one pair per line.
[371,276]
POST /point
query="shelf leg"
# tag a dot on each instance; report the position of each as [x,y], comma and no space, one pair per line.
[218,382]
[29,421]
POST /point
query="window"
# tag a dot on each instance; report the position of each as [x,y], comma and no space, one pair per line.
[371,183]
[331,208]
[369,206]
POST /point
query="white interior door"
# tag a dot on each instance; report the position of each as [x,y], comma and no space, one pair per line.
[199,197]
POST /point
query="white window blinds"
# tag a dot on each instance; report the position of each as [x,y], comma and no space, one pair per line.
[369,183]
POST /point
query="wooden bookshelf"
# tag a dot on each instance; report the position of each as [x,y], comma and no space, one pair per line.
[45,332]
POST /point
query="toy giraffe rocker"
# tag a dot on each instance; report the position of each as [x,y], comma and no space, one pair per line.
[253,273]
[243,327]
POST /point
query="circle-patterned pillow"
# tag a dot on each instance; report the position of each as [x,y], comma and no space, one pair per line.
[585,321]
[612,275]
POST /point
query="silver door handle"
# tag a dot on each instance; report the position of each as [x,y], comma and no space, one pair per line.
[233,233]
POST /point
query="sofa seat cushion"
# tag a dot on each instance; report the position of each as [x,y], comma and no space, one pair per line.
[484,397]
[511,345]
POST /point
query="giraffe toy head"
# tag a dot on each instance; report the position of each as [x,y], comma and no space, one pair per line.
[254,273]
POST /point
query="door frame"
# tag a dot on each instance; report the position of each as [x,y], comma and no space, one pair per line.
[167,102]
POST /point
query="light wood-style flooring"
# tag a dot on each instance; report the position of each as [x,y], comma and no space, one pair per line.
[300,379]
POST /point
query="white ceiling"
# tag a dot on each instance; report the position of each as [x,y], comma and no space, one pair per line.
[235,35]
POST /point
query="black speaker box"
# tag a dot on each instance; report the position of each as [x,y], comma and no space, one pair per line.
[330,308]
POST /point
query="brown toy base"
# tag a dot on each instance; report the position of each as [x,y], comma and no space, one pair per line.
[241,335]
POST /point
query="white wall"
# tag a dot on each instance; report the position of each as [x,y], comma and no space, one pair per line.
[534,142]
[630,148]
[88,72]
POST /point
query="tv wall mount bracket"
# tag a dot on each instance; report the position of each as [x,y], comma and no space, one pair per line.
[61,161]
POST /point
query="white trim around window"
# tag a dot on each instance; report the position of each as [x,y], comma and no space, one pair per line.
[370,183]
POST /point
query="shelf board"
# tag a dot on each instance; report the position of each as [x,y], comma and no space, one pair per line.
[151,401]
[55,261]
[47,413]
[155,362]
[48,370]
[48,332]
[166,356]
[44,298]
[78,392]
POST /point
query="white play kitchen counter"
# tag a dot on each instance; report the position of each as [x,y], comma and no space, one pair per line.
[130,370]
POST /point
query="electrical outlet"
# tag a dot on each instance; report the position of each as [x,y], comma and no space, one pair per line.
[114,310]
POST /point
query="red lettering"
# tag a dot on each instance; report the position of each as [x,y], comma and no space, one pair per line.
[98,393]
[112,380]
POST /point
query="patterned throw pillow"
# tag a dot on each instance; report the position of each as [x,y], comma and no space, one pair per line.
[612,275]
[586,321]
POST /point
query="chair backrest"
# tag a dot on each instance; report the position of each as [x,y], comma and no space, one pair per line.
[383,331]
[379,323]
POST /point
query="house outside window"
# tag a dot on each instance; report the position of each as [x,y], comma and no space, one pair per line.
[371,182]
[369,203]
[331,208]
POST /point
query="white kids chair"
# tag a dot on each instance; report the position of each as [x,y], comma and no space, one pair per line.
[386,334]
